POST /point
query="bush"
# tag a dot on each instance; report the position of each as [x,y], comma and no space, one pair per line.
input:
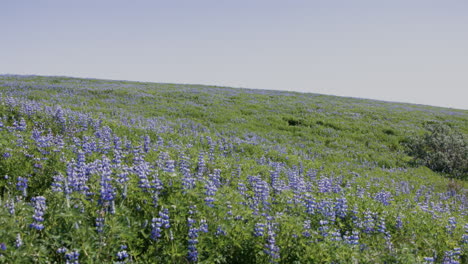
[441,149]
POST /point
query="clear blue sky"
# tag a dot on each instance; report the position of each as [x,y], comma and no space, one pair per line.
[399,50]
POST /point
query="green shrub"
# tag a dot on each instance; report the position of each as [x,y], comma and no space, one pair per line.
[441,149]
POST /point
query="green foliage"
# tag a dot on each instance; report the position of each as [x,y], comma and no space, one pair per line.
[441,149]
[311,141]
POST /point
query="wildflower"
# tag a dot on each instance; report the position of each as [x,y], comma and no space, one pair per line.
[19,241]
[62,250]
[452,224]
[384,197]
[122,255]
[220,231]
[259,229]
[100,224]
[193,241]
[22,185]
[271,248]
[39,203]
[72,257]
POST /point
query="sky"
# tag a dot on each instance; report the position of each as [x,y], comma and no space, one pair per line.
[400,50]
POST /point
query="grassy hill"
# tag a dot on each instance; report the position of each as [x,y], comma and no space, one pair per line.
[101,171]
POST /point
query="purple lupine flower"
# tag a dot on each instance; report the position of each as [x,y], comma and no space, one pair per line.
[220,231]
[323,228]
[452,256]
[10,205]
[100,224]
[188,182]
[146,144]
[39,203]
[381,227]
[352,239]
[3,246]
[6,155]
[310,204]
[261,191]
[428,260]
[203,226]
[270,247]
[58,183]
[384,197]
[465,236]
[335,235]
[193,241]
[122,255]
[156,228]
[201,165]
[165,220]
[169,167]
[341,207]
[18,241]
[142,170]
[326,208]
[72,257]
[452,224]
[369,222]
[211,189]
[21,126]
[107,193]
[22,185]
[215,177]
[62,250]
[307,226]
[325,185]
[399,223]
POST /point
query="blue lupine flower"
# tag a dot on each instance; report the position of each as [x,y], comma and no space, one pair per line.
[122,255]
[452,224]
[336,235]
[259,229]
[352,239]
[210,192]
[325,185]
[165,220]
[39,203]
[323,228]
[146,144]
[10,205]
[307,226]
[429,260]
[203,226]
[384,197]
[220,231]
[100,224]
[369,222]
[19,241]
[22,185]
[156,228]
[3,246]
[399,223]
[169,167]
[270,247]
[193,241]
[341,207]
[62,250]
[72,257]
[201,165]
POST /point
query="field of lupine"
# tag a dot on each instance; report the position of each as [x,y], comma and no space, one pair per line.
[97,171]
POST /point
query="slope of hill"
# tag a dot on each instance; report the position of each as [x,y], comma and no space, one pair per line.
[114,171]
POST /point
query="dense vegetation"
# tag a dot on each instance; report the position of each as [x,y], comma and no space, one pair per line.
[441,149]
[96,171]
